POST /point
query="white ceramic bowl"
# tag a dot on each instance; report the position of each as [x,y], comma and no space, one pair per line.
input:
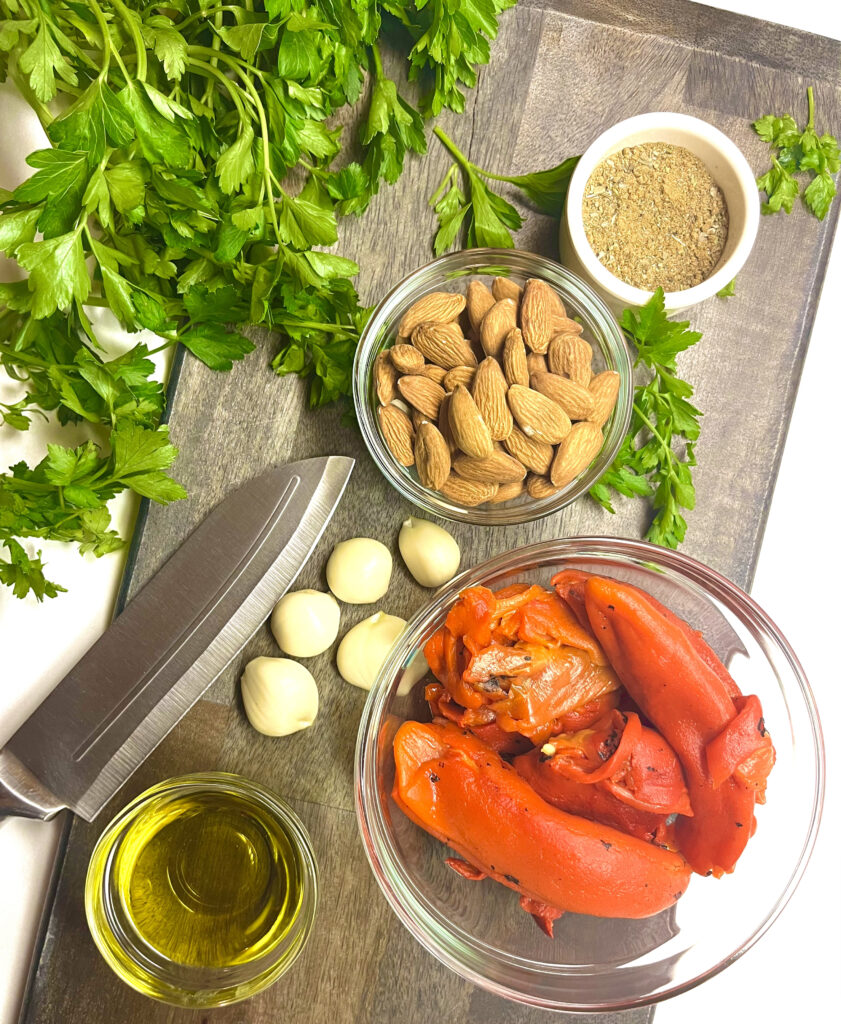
[725,163]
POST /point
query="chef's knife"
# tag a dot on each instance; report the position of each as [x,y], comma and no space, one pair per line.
[177,635]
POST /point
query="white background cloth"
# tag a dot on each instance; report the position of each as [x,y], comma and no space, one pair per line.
[792,974]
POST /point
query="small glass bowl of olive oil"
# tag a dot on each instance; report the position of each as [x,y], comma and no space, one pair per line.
[202,891]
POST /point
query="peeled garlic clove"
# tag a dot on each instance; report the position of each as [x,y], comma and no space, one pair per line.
[305,622]
[280,696]
[431,553]
[359,570]
[365,647]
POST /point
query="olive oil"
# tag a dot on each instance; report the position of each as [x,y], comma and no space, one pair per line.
[203,890]
[209,880]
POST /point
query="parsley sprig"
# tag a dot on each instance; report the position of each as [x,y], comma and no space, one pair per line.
[465,204]
[192,186]
[798,152]
[658,452]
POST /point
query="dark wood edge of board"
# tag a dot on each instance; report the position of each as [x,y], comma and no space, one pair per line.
[709,28]
[119,605]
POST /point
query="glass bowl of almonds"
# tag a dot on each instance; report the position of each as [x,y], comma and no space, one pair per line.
[492,386]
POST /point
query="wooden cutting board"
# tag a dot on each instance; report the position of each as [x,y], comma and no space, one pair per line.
[561,73]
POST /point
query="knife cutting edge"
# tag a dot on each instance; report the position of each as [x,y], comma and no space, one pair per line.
[171,642]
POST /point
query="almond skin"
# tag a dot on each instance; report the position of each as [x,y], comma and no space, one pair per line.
[417,418]
[535,363]
[489,391]
[406,358]
[433,372]
[533,454]
[536,308]
[467,492]
[505,288]
[432,456]
[479,301]
[470,432]
[540,487]
[507,492]
[498,321]
[444,424]
[575,453]
[437,307]
[398,432]
[576,401]
[604,389]
[536,415]
[564,325]
[443,344]
[422,393]
[496,468]
[385,378]
[568,354]
[459,375]
[514,359]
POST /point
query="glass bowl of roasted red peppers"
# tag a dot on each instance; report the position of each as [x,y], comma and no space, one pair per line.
[609,783]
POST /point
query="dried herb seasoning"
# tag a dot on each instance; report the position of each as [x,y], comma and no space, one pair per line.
[655,217]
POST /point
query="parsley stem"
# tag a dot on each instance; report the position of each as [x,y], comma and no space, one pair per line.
[667,449]
[107,47]
[128,17]
[205,13]
[232,87]
[378,64]
[810,96]
[456,153]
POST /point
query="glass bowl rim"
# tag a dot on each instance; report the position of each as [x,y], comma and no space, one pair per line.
[585,297]
[448,942]
[174,978]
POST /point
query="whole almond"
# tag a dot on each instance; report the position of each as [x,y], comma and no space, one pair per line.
[470,432]
[604,389]
[467,492]
[406,358]
[507,492]
[575,453]
[443,344]
[479,301]
[497,467]
[579,360]
[417,418]
[540,487]
[563,325]
[489,391]
[556,304]
[459,375]
[422,393]
[497,322]
[575,400]
[437,307]
[444,424]
[536,415]
[385,378]
[432,456]
[535,363]
[433,372]
[514,360]
[534,455]
[398,433]
[536,309]
[571,355]
[505,288]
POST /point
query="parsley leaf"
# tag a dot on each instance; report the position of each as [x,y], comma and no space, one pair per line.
[798,152]
[728,291]
[648,464]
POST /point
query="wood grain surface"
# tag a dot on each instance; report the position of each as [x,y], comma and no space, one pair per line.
[560,74]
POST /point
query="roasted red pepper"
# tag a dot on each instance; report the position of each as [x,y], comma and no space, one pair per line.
[462,792]
[667,671]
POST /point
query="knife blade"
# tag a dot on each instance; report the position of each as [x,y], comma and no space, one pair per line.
[177,635]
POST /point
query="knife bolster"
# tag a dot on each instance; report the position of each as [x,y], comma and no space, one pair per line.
[21,793]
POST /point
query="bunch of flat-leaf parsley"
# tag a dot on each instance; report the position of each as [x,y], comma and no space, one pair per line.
[192,181]
[650,462]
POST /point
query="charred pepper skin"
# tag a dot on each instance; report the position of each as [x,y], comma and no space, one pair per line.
[494,820]
[690,701]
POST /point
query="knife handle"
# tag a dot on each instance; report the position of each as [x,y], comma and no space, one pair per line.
[21,794]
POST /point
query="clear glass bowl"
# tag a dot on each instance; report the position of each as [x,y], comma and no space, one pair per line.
[477,928]
[600,328]
[113,923]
